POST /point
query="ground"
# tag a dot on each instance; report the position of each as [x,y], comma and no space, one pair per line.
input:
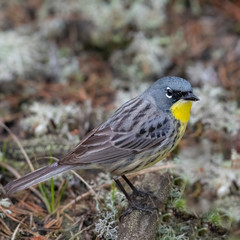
[65,66]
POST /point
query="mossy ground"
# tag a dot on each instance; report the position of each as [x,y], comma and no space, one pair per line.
[66,65]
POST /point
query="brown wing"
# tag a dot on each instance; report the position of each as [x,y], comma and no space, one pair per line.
[127,132]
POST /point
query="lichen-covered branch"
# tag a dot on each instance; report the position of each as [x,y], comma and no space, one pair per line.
[142,225]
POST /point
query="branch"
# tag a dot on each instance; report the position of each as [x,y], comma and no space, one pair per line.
[141,225]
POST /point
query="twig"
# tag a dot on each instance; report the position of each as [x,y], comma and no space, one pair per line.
[76,200]
[5,225]
[19,145]
[88,186]
[68,217]
[5,236]
[10,169]
[16,229]
[87,194]
[74,224]
[151,169]
[8,215]
[59,236]
[86,228]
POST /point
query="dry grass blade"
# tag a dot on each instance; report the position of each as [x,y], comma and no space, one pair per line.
[10,169]
[4,236]
[152,169]
[86,228]
[88,186]
[87,194]
[6,230]
[78,222]
[19,145]
[8,215]
[54,223]
[59,237]
[68,217]
[16,229]
[32,207]
[75,200]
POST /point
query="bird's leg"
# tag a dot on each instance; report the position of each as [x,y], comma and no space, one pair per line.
[136,191]
[122,189]
[133,205]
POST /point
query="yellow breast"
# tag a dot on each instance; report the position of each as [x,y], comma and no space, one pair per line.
[181,110]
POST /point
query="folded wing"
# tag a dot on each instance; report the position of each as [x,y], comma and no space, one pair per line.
[128,132]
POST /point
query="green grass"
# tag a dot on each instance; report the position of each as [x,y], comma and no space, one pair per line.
[52,190]
[113,190]
[220,218]
[4,155]
[180,204]
[51,202]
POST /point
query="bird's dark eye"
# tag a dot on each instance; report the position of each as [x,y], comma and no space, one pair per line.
[169,92]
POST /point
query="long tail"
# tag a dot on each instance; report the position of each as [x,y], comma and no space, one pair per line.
[36,177]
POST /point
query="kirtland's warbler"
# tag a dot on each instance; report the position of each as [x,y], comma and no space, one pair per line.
[139,134]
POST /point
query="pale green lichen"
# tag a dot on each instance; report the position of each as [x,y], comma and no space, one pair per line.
[20,54]
[41,117]
[106,225]
[167,232]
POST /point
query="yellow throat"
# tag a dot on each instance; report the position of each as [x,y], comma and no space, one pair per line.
[181,110]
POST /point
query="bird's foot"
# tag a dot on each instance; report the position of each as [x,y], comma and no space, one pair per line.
[140,193]
[134,206]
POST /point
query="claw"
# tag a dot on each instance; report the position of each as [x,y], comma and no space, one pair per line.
[141,193]
[136,192]
[134,206]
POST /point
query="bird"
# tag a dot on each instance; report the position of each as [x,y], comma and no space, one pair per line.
[138,134]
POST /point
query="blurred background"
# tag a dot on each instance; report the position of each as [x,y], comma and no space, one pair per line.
[66,65]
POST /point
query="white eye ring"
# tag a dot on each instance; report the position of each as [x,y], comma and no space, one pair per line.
[169,92]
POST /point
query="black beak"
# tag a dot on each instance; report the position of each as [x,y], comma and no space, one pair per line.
[190,97]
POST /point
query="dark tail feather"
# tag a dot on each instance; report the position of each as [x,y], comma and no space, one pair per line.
[36,177]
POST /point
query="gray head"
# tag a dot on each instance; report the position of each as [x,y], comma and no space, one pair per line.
[168,90]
